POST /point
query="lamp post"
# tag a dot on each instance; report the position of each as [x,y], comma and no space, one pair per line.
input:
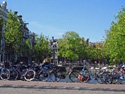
[53,49]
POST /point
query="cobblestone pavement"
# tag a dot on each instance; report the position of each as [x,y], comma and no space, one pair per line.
[53,91]
[62,85]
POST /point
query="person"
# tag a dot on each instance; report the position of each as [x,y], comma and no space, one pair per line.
[1,65]
[6,63]
[21,65]
[84,66]
[81,76]
[84,62]
[46,64]
[95,64]
[122,70]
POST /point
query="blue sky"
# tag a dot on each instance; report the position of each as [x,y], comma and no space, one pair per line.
[89,18]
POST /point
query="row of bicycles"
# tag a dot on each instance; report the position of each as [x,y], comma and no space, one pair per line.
[16,72]
[30,73]
[102,75]
[57,73]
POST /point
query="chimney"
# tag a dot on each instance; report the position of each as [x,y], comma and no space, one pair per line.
[20,16]
[15,12]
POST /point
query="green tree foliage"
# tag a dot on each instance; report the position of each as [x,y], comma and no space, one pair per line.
[13,33]
[115,41]
[70,34]
[98,52]
[1,23]
[41,47]
[81,46]
[71,46]
[66,45]
[29,48]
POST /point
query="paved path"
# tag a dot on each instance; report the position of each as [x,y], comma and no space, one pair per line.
[62,85]
[53,91]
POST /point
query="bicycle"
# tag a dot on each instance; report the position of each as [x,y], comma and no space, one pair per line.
[22,72]
[4,73]
[56,74]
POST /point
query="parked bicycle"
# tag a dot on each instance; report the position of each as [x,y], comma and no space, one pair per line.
[56,73]
[21,71]
[4,73]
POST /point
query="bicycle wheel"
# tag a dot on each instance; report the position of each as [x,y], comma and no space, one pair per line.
[43,75]
[5,74]
[99,77]
[13,74]
[86,77]
[73,76]
[116,78]
[51,77]
[59,76]
[107,77]
[30,75]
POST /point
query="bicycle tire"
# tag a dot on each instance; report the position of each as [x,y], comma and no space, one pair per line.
[5,74]
[51,77]
[116,78]
[43,76]
[99,77]
[13,74]
[30,75]
[106,78]
[73,76]
[86,77]
[60,75]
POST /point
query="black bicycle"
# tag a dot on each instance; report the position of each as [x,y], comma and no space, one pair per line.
[56,73]
[22,72]
[4,72]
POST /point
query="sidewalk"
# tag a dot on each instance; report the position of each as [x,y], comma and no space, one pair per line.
[62,85]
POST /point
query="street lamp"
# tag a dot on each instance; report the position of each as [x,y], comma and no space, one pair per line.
[53,48]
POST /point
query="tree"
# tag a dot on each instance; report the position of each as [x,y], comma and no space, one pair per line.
[13,33]
[99,52]
[41,47]
[68,44]
[70,34]
[81,46]
[29,48]
[115,41]
[73,47]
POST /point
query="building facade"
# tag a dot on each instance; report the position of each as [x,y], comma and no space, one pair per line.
[54,49]
[27,34]
[3,15]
